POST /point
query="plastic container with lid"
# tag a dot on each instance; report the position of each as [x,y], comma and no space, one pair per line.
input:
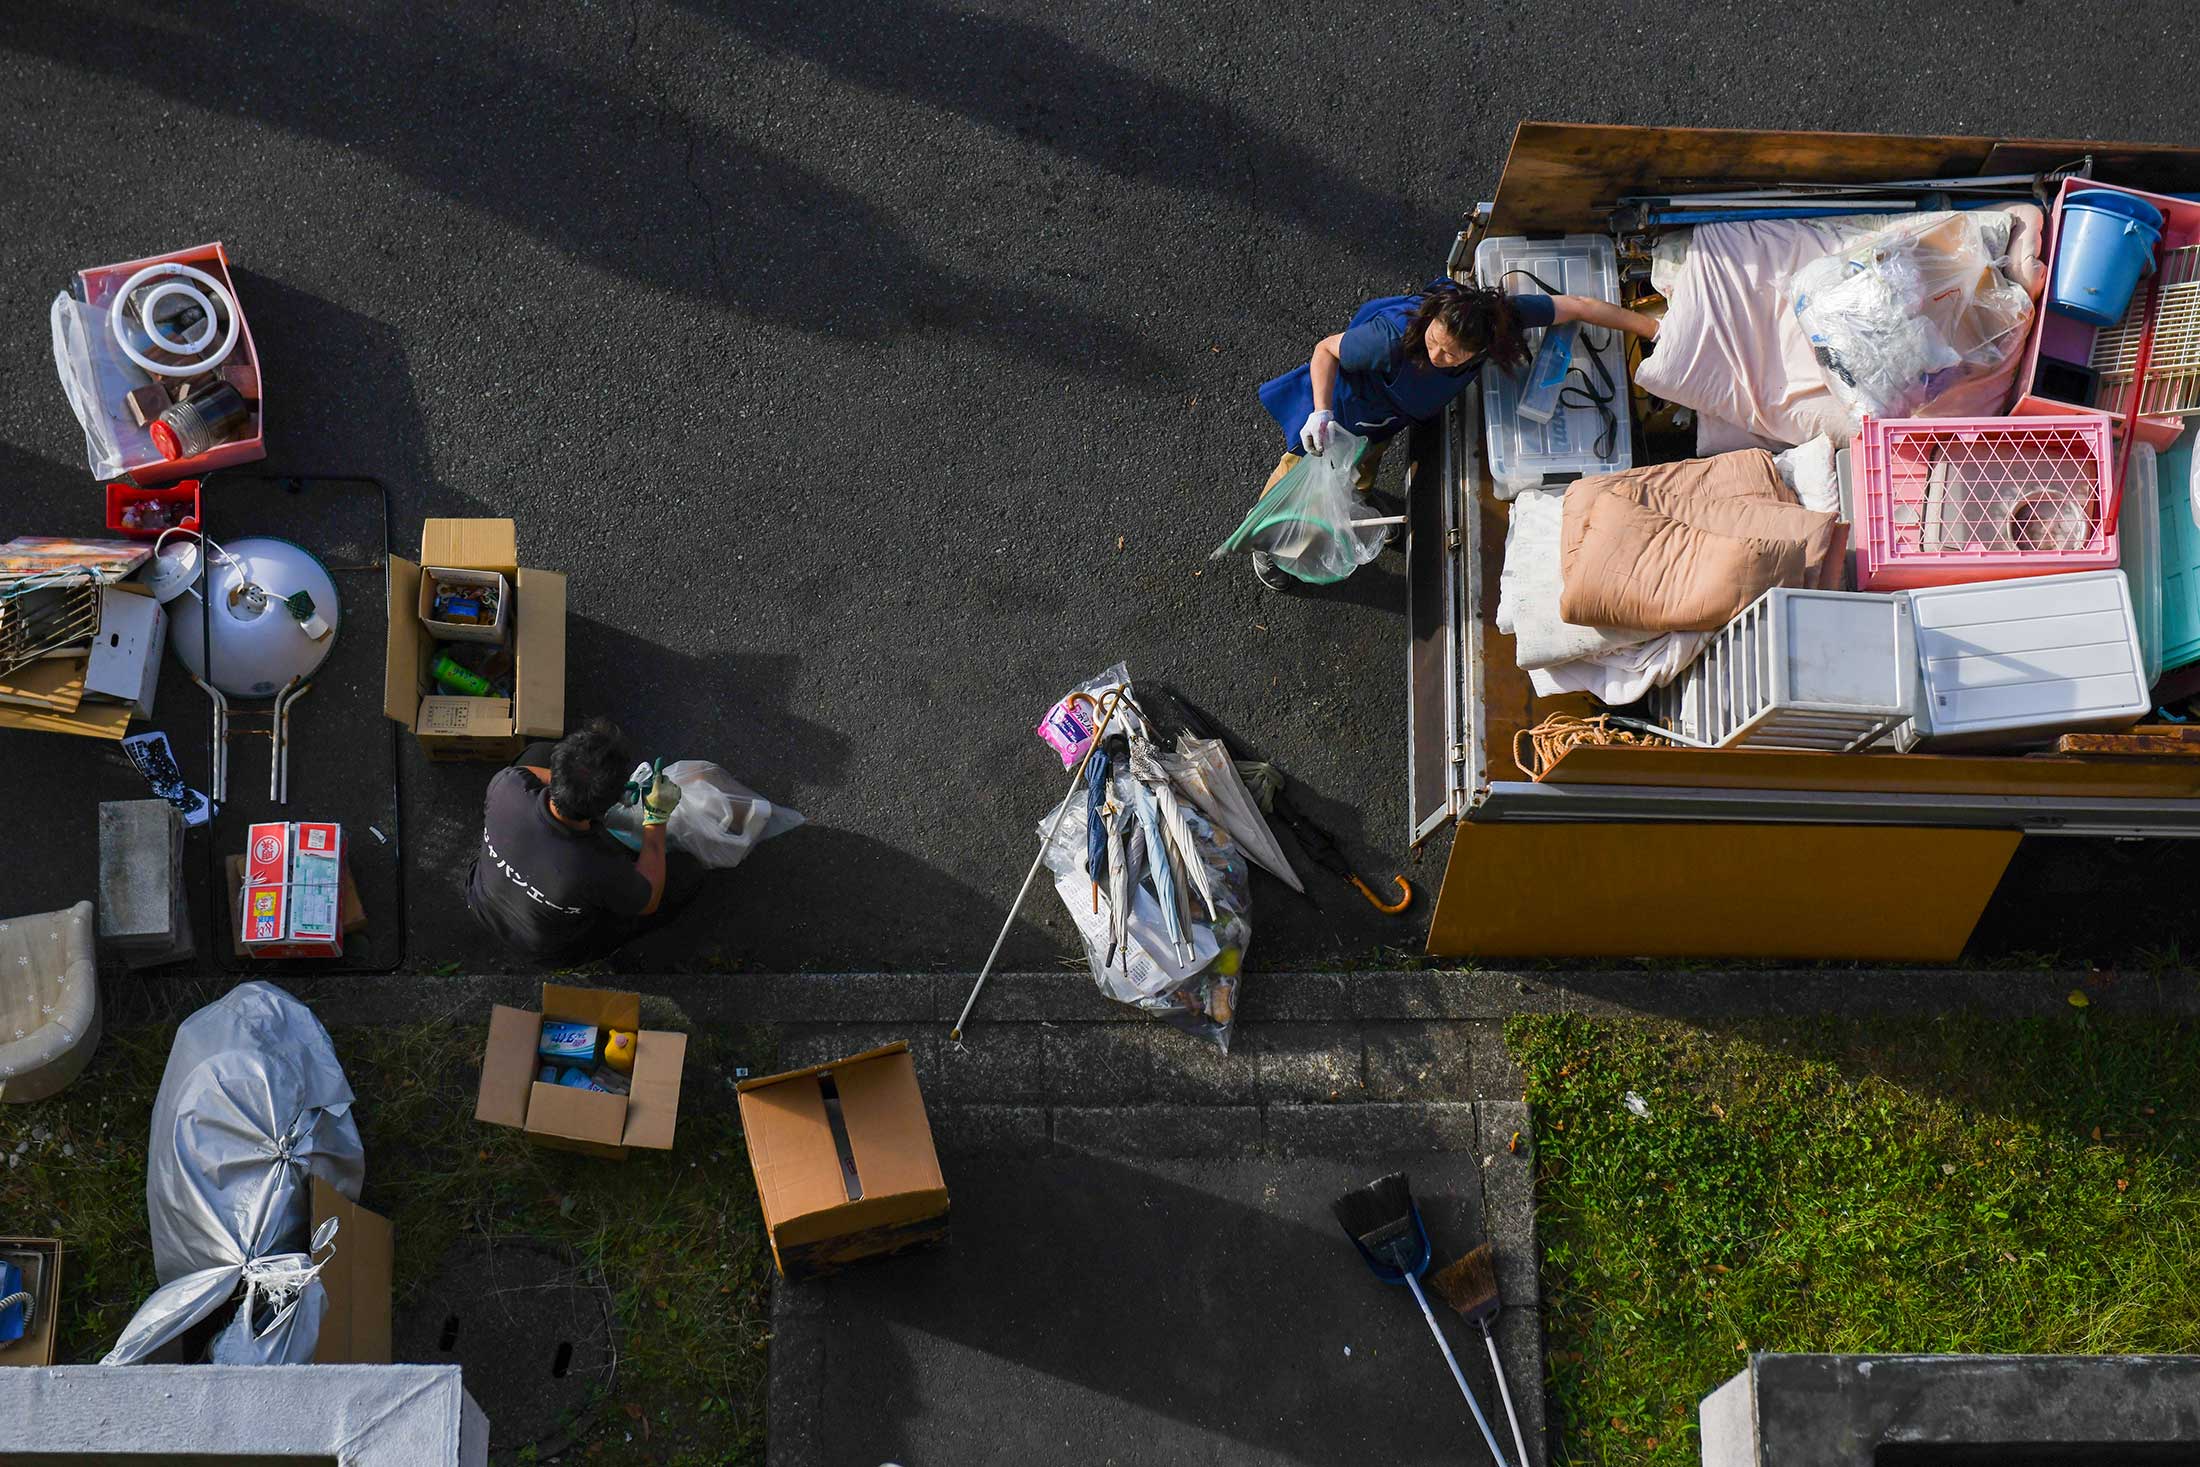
[1579,439]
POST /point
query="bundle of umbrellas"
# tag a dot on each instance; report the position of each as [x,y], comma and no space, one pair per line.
[1136,835]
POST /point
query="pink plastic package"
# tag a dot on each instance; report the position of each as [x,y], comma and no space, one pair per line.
[1068,727]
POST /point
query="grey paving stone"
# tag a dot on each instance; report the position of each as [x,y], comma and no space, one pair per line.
[1190,1069]
[1456,995]
[1496,1077]
[1268,998]
[1066,996]
[1306,1063]
[1519,1334]
[1508,1195]
[1367,1129]
[1159,1131]
[1097,1064]
[795,1397]
[1418,1059]
[821,998]
[998,1063]
[960,1130]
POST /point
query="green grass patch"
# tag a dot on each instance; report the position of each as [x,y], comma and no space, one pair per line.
[1955,1184]
[676,1235]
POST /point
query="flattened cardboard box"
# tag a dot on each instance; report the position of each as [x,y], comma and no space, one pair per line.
[37,1345]
[356,1328]
[819,1216]
[492,729]
[588,1121]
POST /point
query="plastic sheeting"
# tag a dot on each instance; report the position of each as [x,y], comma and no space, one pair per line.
[718,821]
[252,1106]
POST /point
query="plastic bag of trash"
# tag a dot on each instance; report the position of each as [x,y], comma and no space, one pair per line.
[718,821]
[252,1106]
[97,381]
[1909,312]
[1070,725]
[1197,995]
[1310,521]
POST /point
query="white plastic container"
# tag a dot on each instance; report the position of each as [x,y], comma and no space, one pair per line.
[1800,670]
[2017,662]
[1524,454]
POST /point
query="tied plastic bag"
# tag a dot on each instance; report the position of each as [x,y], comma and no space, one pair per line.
[252,1106]
[1310,521]
[1909,312]
[718,821]
[1071,724]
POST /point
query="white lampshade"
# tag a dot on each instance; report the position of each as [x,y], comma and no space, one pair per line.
[258,645]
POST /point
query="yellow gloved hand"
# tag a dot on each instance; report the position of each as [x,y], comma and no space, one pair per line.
[659,801]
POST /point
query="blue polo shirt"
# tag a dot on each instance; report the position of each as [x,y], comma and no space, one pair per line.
[1380,389]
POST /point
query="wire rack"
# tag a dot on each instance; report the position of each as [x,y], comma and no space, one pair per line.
[46,613]
[2172,386]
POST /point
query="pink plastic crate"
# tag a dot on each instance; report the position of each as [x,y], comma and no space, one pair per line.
[1948,500]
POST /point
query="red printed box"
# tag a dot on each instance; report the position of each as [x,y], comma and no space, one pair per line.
[293,886]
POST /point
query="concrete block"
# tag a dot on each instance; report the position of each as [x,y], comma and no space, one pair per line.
[1508,1196]
[1496,1076]
[838,998]
[1065,996]
[1455,995]
[1098,1064]
[1306,1063]
[1159,1130]
[143,914]
[1297,998]
[1193,1070]
[1368,1129]
[1419,1059]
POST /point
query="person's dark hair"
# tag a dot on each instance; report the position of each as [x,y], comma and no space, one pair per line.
[588,770]
[1480,318]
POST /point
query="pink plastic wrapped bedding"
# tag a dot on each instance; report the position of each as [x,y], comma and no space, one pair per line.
[1731,348]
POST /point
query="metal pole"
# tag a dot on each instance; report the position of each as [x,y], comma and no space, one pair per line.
[1099,732]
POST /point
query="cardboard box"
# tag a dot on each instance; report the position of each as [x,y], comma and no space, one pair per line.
[37,1345]
[492,729]
[356,1328]
[491,584]
[844,1162]
[125,661]
[293,890]
[352,911]
[588,1121]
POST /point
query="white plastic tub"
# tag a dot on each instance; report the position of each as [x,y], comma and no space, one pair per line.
[1799,670]
[1523,453]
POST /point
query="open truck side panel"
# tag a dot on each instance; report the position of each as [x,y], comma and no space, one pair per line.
[1652,851]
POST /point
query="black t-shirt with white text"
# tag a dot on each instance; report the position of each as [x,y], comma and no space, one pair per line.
[540,884]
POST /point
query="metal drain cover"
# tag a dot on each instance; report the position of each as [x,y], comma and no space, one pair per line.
[530,1326]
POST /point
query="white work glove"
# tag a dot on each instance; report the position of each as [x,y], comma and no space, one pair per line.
[1314,433]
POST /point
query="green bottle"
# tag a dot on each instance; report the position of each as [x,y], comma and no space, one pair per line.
[456,679]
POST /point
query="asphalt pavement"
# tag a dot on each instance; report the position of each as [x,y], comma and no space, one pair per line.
[876,371]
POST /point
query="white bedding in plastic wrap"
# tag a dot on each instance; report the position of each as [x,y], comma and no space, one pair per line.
[1731,349]
[1615,666]
[252,1105]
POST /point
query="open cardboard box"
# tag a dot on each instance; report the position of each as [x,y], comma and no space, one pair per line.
[844,1161]
[355,1330]
[37,1345]
[588,1121]
[492,729]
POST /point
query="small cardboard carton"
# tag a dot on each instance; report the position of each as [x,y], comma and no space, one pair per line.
[588,1121]
[355,1330]
[37,1345]
[491,729]
[125,662]
[844,1162]
[485,586]
[350,908]
[293,890]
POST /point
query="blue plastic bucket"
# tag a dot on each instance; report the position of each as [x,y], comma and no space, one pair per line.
[2107,242]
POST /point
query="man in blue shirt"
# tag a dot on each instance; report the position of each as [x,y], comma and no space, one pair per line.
[1404,357]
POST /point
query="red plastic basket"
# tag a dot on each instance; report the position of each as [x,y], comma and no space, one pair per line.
[182,495]
[1948,500]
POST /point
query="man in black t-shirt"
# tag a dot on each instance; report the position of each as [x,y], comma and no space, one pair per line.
[550,880]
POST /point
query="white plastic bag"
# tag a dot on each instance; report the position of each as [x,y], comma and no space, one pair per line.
[252,1106]
[718,821]
[1310,521]
[1912,310]
[97,381]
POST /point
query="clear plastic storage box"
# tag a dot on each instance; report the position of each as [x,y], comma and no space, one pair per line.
[1579,439]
